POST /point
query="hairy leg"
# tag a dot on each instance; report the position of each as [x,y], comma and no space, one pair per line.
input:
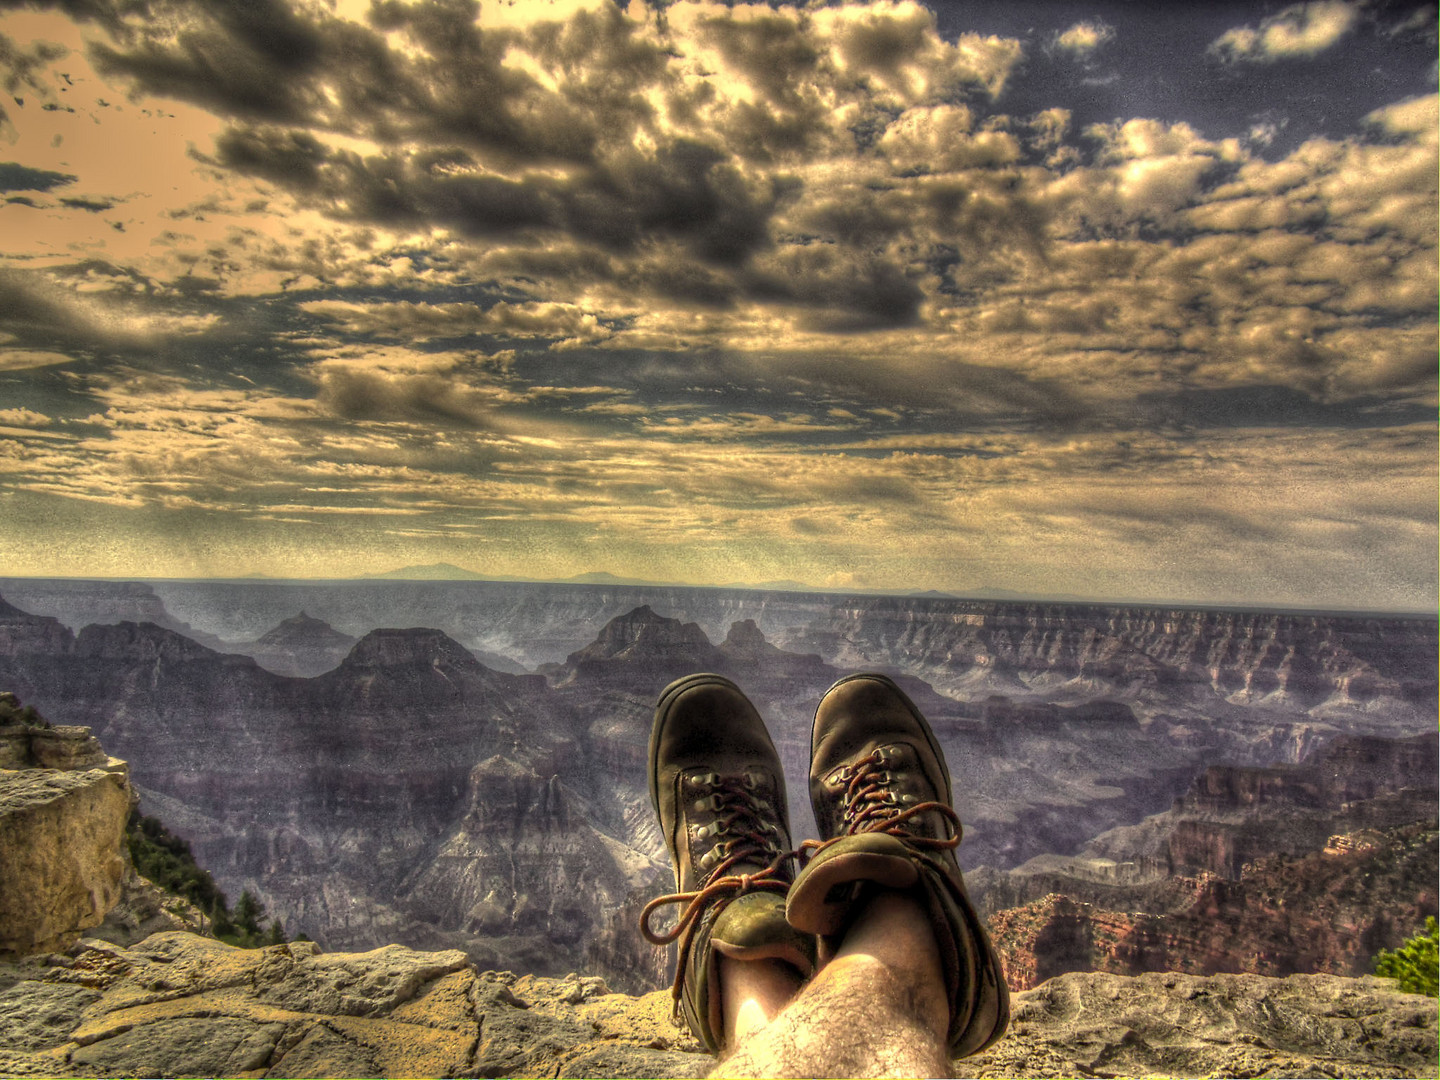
[752,993]
[877,1009]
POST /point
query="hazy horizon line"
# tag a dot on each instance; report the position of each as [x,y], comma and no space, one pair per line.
[998,595]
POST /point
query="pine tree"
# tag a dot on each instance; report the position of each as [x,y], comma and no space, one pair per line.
[248,913]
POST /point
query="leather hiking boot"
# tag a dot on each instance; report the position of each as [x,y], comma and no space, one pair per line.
[881,793]
[719,792]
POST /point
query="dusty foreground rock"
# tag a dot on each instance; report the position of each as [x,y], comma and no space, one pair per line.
[182,1005]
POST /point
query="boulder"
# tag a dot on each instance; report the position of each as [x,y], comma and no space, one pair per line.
[60,853]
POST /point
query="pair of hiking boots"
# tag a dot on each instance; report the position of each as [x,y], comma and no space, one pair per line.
[881,794]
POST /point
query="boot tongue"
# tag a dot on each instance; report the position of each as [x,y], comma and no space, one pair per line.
[753,927]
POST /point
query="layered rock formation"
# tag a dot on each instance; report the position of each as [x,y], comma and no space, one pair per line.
[1309,867]
[63,805]
[1330,911]
[1233,814]
[1287,664]
[351,803]
[178,1004]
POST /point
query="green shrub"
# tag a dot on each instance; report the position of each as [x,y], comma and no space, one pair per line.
[165,859]
[12,712]
[1414,964]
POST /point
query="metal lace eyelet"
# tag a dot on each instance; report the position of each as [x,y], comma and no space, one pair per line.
[710,802]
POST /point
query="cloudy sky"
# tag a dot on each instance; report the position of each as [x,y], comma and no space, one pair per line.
[1116,300]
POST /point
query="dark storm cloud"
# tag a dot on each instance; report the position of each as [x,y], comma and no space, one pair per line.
[17,177]
[1274,407]
[112,14]
[428,399]
[840,294]
[249,58]
[685,190]
[93,206]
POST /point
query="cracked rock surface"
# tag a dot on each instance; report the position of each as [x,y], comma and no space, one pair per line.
[181,1005]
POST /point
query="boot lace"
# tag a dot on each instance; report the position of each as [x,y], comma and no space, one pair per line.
[870,804]
[749,837]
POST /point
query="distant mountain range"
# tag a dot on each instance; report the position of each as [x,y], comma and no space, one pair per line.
[443,571]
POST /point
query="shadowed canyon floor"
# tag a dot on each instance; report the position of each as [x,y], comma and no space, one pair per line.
[178,1004]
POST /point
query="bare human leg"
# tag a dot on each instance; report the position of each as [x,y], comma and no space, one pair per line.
[877,1009]
[752,993]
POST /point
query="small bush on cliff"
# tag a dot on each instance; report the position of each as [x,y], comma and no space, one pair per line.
[165,859]
[1414,964]
[12,712]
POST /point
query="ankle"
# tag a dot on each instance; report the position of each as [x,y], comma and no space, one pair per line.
[892,940]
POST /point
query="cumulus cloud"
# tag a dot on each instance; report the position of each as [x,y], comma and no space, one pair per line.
[1298,32]
[1083,39]
[24,418]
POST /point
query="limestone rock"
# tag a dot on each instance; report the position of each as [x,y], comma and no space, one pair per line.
[1220,1025]
[179,1004]
[60,861]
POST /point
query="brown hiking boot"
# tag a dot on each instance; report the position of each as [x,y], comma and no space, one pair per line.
[719,792]
[881,793]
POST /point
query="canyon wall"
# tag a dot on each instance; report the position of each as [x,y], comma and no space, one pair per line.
[412,793]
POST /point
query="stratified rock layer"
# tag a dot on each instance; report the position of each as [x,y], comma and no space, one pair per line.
[178,1004]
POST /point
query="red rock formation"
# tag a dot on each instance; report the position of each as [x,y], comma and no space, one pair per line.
[1327,912]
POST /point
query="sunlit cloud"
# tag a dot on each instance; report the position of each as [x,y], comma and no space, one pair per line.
[1299,31]
[872,294]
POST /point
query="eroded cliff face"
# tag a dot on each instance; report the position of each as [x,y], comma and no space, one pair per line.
[1328,911]
[1233,814]
[1318,666]
[351,803]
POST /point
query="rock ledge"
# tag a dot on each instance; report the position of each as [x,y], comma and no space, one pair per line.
[181,1005]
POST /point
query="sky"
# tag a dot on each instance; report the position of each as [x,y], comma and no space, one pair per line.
[1120,300]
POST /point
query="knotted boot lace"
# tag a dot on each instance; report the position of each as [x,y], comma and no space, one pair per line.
[870,805]
[748,837]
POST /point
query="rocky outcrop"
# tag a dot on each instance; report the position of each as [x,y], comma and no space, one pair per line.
[1225,1025]
[63,805]
[178,1004]
[1330,911]
[1232,815]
